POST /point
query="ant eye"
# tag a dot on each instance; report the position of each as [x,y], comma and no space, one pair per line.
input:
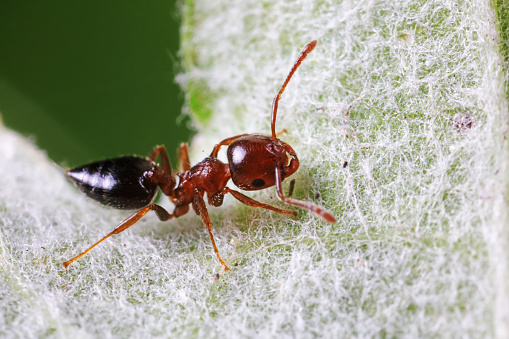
[258,183]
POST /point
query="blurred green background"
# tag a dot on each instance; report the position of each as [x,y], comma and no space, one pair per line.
[92,79]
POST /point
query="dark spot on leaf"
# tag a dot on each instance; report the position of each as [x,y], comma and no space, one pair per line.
[463,122]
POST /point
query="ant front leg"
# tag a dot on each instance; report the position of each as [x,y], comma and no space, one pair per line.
[161,213]
[225,142]
[320,211]
[201,209]
[218,199]
[228,141]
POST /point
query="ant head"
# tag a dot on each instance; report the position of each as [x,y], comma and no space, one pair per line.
[253,160]
[257,162]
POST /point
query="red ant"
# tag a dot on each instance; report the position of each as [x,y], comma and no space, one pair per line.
[255,162]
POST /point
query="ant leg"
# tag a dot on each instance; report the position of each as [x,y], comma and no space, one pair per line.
[326,215]
[184,162]
[164,178]
[164,158]
[161,213]
[225,142]
[228,141]
[253,203]
[201,209]
[166,182]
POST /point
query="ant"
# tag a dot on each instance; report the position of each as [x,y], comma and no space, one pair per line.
[255,162]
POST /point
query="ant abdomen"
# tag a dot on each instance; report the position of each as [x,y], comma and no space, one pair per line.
[120,182]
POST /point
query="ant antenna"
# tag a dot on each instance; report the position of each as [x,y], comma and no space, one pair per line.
[309,47]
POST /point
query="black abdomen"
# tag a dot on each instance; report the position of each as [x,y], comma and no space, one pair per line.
[119,182]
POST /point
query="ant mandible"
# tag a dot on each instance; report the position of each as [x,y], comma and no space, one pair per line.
[255,162]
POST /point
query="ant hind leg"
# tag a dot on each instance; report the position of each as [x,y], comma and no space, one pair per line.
[161,213]
[161,150]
